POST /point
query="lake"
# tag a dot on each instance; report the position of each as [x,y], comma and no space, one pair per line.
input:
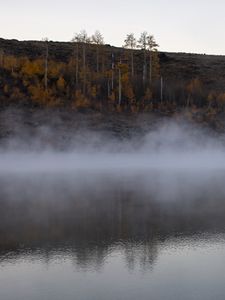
[97,235]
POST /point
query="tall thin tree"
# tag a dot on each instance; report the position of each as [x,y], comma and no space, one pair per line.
[161,89]
[76,56]
[120,83]
[83,39]
[142,44]
[113,67]
[46,64]
[131,43]
[98,40]
[151,46]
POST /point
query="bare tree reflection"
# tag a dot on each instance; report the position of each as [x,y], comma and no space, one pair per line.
[86,220]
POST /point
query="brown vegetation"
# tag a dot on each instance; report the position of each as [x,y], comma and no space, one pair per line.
[84,75]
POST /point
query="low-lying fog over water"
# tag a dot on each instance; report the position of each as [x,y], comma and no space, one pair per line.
[125,209]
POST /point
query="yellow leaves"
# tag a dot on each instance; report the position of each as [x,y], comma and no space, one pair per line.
[221,98]
[112,97]
[80,101]
[33,68]
[194,86]
[123,67]
[148,95]
[42,97]
[55,69]
[128,92]
[94,92]
[155,64]
[6,89]
[125,78]
[10,62]
[61,84]
[37,92]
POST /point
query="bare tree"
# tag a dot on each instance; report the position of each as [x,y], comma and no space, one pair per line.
[151,46]
[82,38]
[98,40]
[143,43]
[46,63]
[113,67]
[161,89]
[120,83]
[131,43]
[76,55]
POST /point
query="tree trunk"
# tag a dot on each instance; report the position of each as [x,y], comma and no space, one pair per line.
[132,63]
[113,66]
[46,67]
[144,68]
[112,80]
[103,63]
[150,67]
[188,100]
[161,89]
[108,88]
[97,59]
[120,87]
[77,65]
[84,68]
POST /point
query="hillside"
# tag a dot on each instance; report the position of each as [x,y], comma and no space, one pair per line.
[81,76]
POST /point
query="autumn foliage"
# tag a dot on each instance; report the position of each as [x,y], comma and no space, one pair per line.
[96,76]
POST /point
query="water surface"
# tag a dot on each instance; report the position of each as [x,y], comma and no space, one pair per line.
[148,235]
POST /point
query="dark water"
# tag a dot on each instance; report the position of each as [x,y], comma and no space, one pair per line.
[148,236]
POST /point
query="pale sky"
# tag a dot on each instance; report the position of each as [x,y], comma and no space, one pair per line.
[182,26]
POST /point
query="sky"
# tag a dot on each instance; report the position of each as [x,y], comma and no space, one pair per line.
[195,26]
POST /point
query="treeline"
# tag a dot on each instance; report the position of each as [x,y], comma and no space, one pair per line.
[92,75]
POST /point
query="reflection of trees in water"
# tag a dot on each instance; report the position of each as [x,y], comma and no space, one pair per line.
[88,222]
[141,255]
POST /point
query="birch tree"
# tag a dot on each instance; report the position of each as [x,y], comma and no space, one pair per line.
[130,43]
[98,40]
[46,63]
[120,83]
[75,40]
[161,89]
[83,39]
[142,44]
[151,46]
[113,67]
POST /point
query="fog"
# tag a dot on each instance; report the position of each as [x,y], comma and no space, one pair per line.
[64,154]
[55,148]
